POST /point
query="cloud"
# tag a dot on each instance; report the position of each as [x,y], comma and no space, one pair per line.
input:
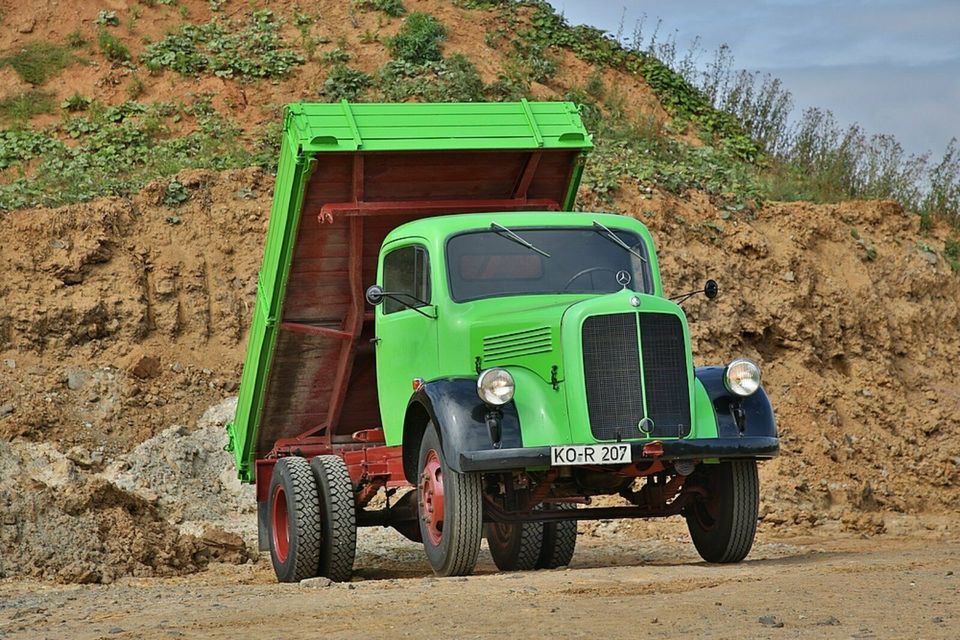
[893,65]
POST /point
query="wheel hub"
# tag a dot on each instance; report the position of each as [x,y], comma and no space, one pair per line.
[430,497]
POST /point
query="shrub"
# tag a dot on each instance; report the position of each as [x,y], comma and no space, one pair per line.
[112,47]
[136,88]
[393,8]
[345,83]
[339,55]
[37,61]
[76,102]
[452,80]
[175,194]
[75,39]
[419,39]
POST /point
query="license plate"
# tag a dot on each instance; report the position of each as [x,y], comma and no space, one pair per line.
[590,454]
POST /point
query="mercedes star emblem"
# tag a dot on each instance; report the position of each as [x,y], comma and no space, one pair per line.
[623,278]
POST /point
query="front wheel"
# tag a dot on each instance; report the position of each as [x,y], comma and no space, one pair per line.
[450,507]
[724,523]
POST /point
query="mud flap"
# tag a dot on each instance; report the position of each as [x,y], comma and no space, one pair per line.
[263,531]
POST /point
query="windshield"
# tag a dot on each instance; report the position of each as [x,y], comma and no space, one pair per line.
[489,263]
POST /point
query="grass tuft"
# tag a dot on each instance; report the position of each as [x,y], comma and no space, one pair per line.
[112,47]
[38,61]
[23,106]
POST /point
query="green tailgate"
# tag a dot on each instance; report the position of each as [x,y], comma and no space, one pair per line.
[402,145]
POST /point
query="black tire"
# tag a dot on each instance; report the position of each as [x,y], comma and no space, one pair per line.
[338,519]
[723,524]
[515,546]
[559,541]
[453,542]
[294,520]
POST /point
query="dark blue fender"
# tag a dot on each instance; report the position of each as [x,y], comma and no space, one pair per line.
[454,406]
[756,413]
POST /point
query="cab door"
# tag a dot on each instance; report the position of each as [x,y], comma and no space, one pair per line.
[406,332]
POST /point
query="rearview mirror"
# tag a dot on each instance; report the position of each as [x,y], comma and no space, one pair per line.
[711,289]
[374,295]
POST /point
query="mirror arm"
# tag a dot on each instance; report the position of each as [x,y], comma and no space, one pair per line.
[396,298]
[378,295]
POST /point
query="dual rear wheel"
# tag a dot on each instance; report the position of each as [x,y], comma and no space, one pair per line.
[313,529]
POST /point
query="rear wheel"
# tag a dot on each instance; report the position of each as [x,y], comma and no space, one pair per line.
[515,546]
[294,509]
[338,523]
[559,541]
[450,507]
[724,523]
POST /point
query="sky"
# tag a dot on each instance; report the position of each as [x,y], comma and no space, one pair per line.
[891,65]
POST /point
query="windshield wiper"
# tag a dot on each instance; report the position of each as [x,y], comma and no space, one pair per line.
[610,235]
[502,231]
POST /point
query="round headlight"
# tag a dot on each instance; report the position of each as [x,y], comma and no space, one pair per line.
[742,377]
[495,386]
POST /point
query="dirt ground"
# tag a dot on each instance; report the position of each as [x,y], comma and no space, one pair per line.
[837,587]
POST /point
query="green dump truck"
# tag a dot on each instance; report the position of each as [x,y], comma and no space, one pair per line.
[435,333]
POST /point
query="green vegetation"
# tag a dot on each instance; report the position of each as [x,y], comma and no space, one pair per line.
[76,102]
[116,150]
[75,39]
[418,40]
[23,106]
[37,61]
[225,49]
[112,47]
[21,145]
[454,79]
[175,194]
[338,55]
[345,83]
[107,18]
[951,251]
[136,88]
[644,153]
[393,8]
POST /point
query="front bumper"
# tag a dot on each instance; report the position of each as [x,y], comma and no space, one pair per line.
[756,447]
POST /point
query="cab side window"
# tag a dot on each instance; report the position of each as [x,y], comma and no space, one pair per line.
[406,274]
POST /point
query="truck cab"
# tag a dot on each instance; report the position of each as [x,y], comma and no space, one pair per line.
[443,330]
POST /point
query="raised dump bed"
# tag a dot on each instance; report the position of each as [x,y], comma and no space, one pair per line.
[348,174]
[428,315]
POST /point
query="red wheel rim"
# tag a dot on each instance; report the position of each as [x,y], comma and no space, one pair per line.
[431,497]
[280,530]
